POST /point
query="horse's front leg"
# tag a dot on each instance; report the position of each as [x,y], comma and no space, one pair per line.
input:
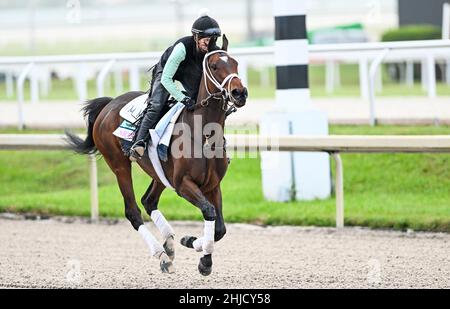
[191,192]
[215,197]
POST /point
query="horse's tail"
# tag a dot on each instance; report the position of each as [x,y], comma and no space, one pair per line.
[90,110]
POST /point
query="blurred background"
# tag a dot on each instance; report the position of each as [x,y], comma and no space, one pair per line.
[382,190]
[29,27]
[50,27]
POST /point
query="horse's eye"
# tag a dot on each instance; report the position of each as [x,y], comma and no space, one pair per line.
[213,67]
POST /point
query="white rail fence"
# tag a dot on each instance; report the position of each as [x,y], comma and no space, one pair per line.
[368,56]
[333,145]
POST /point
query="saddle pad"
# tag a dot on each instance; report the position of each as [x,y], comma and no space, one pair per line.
[125,131]
[134,108]
[161,136]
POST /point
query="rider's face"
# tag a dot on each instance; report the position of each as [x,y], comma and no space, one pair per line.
[202,44]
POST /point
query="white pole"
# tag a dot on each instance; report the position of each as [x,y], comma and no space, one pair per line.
[447,71]
[101,77]
[364,78]
[373,71]
[446,21]
[34,86]
[431,76]
[94,187]
[330,76]
[446,36]
[339,190]
[20,93]
[423,74]
[409,78]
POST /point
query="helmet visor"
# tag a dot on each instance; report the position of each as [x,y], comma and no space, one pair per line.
[211,32]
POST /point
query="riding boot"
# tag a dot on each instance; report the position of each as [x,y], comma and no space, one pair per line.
[157,100]
[143,136]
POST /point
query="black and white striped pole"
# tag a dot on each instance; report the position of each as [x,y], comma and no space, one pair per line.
[297,175]
[291,52]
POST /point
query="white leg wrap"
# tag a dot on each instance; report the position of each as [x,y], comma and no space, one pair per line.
[208,237]
[198,244]
[155,247]
[162,224]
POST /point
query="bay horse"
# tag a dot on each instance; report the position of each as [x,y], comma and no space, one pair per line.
[194,177]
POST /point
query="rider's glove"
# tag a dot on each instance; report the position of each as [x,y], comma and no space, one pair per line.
[189,103]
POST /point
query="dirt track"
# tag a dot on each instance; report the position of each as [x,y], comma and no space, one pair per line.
[48,253]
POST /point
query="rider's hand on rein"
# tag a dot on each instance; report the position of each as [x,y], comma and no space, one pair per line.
[189,103]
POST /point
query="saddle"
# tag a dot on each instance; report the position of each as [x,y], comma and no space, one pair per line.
[132,114]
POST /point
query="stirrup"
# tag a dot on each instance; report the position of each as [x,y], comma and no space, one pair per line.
[137,151]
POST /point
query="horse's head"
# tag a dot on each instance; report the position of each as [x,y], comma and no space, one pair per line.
[221,74]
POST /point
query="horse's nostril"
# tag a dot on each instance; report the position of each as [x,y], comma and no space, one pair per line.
[236,93]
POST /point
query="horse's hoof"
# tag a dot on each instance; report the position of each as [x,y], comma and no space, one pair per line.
[205,265]
[188,241]
[169,247]
[166,264]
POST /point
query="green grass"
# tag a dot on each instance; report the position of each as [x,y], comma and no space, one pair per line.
[381,190]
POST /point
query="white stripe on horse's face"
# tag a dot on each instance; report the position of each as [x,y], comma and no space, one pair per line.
[224,59]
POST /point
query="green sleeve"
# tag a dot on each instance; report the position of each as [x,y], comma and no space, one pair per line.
[176,57]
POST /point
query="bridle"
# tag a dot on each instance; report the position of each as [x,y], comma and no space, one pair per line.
[224,93]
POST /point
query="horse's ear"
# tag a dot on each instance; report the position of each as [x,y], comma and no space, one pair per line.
[224,42]
[211,45]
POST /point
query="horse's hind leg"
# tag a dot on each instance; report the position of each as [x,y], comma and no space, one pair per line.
[121,167]
[150,201]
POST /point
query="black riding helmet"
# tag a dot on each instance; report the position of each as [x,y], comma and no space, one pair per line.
[205,27]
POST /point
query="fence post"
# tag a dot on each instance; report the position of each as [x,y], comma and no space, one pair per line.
[447,71]
[20,92]
[409,75]
[330,76]
[94,187]
[373,71]
[101,77]
[34,85]
[446,21]
[364,78]
[423,74]
[339,190]
[431,76]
